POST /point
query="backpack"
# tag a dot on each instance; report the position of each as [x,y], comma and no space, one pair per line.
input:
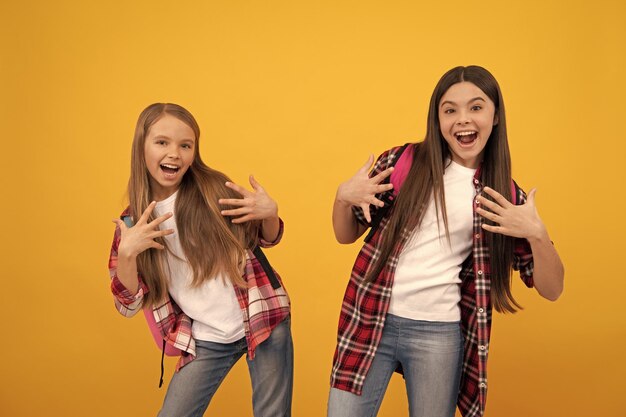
[401,164]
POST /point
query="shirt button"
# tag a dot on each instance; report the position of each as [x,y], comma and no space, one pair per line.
[477,202]
[481,347]
[475,181]
[481,310]
[480,272]
[482,385]
[477,235]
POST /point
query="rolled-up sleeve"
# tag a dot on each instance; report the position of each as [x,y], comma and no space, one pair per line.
[522,252]
[127,304]
[266,243]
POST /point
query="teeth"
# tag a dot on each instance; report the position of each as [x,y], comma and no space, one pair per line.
[169,166]
[471,132]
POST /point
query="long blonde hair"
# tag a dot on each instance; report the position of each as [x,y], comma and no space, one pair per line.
[211,244]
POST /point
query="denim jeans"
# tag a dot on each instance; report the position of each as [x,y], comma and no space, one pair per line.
[271,372]
[431,355]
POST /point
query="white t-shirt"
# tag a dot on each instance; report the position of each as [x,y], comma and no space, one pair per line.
[213,306]
[426,281]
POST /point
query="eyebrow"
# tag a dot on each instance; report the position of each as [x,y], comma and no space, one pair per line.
[168,138]
[453,103]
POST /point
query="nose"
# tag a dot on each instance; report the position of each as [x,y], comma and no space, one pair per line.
[172,152]
[463,118]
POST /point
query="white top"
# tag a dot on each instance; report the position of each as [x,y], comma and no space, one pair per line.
[212,306]
[426,281]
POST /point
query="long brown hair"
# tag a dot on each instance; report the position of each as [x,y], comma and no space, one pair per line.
[211,244]
[425,179]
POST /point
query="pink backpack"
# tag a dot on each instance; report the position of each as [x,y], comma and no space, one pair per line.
[167,349]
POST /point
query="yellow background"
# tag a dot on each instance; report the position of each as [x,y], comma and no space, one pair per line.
[299,93]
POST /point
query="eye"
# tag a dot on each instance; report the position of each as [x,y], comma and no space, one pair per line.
[448,111]
[476,107]
[161,142]
[187,146]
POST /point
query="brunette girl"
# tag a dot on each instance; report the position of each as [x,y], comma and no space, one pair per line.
[420,295]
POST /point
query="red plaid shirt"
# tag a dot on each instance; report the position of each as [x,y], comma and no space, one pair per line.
[262,306]
[365,306]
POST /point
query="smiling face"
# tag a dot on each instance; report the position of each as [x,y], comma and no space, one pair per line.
[466,119]
[169,151]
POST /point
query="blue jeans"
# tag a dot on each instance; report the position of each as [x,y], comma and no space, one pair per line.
[271,372]
[431,355]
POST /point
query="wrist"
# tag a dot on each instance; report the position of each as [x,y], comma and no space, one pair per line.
[340,197]
[272,218]
[126,255]
[539,236]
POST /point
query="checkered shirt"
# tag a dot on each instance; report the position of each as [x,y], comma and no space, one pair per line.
[262,306]
[365,305]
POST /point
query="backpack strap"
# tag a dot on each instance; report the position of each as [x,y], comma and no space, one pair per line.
[266,267]
[513,192]
[402,164]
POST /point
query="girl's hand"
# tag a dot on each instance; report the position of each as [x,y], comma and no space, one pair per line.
[255,205]
[517,221]
[360,190]
[140,237]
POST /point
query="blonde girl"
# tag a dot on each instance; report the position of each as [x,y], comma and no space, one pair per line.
[199,274]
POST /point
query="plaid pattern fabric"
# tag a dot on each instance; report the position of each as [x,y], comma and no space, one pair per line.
[262,306]
[365,305]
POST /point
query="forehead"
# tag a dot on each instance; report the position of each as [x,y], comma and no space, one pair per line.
[464,92]
[171,127]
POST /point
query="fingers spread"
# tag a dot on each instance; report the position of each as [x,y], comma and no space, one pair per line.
[161,233]
[366,212]
[255,184]
[237,188]
[381,176]
[161,219]
[493,229]
[243,219]
[499,198]
[156,245]
[236,212]
[376,202]
[368,164]
[490,205]
[232,201]
[146,214]
[120,224]
[489,215]
[383,187]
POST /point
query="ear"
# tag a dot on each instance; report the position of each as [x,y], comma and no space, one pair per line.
[496,119]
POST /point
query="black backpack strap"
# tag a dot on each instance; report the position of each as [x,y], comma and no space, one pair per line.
[266,267]
[162,367]
[386,198]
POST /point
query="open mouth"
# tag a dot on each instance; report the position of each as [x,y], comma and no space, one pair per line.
[467,137]
[169,169]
